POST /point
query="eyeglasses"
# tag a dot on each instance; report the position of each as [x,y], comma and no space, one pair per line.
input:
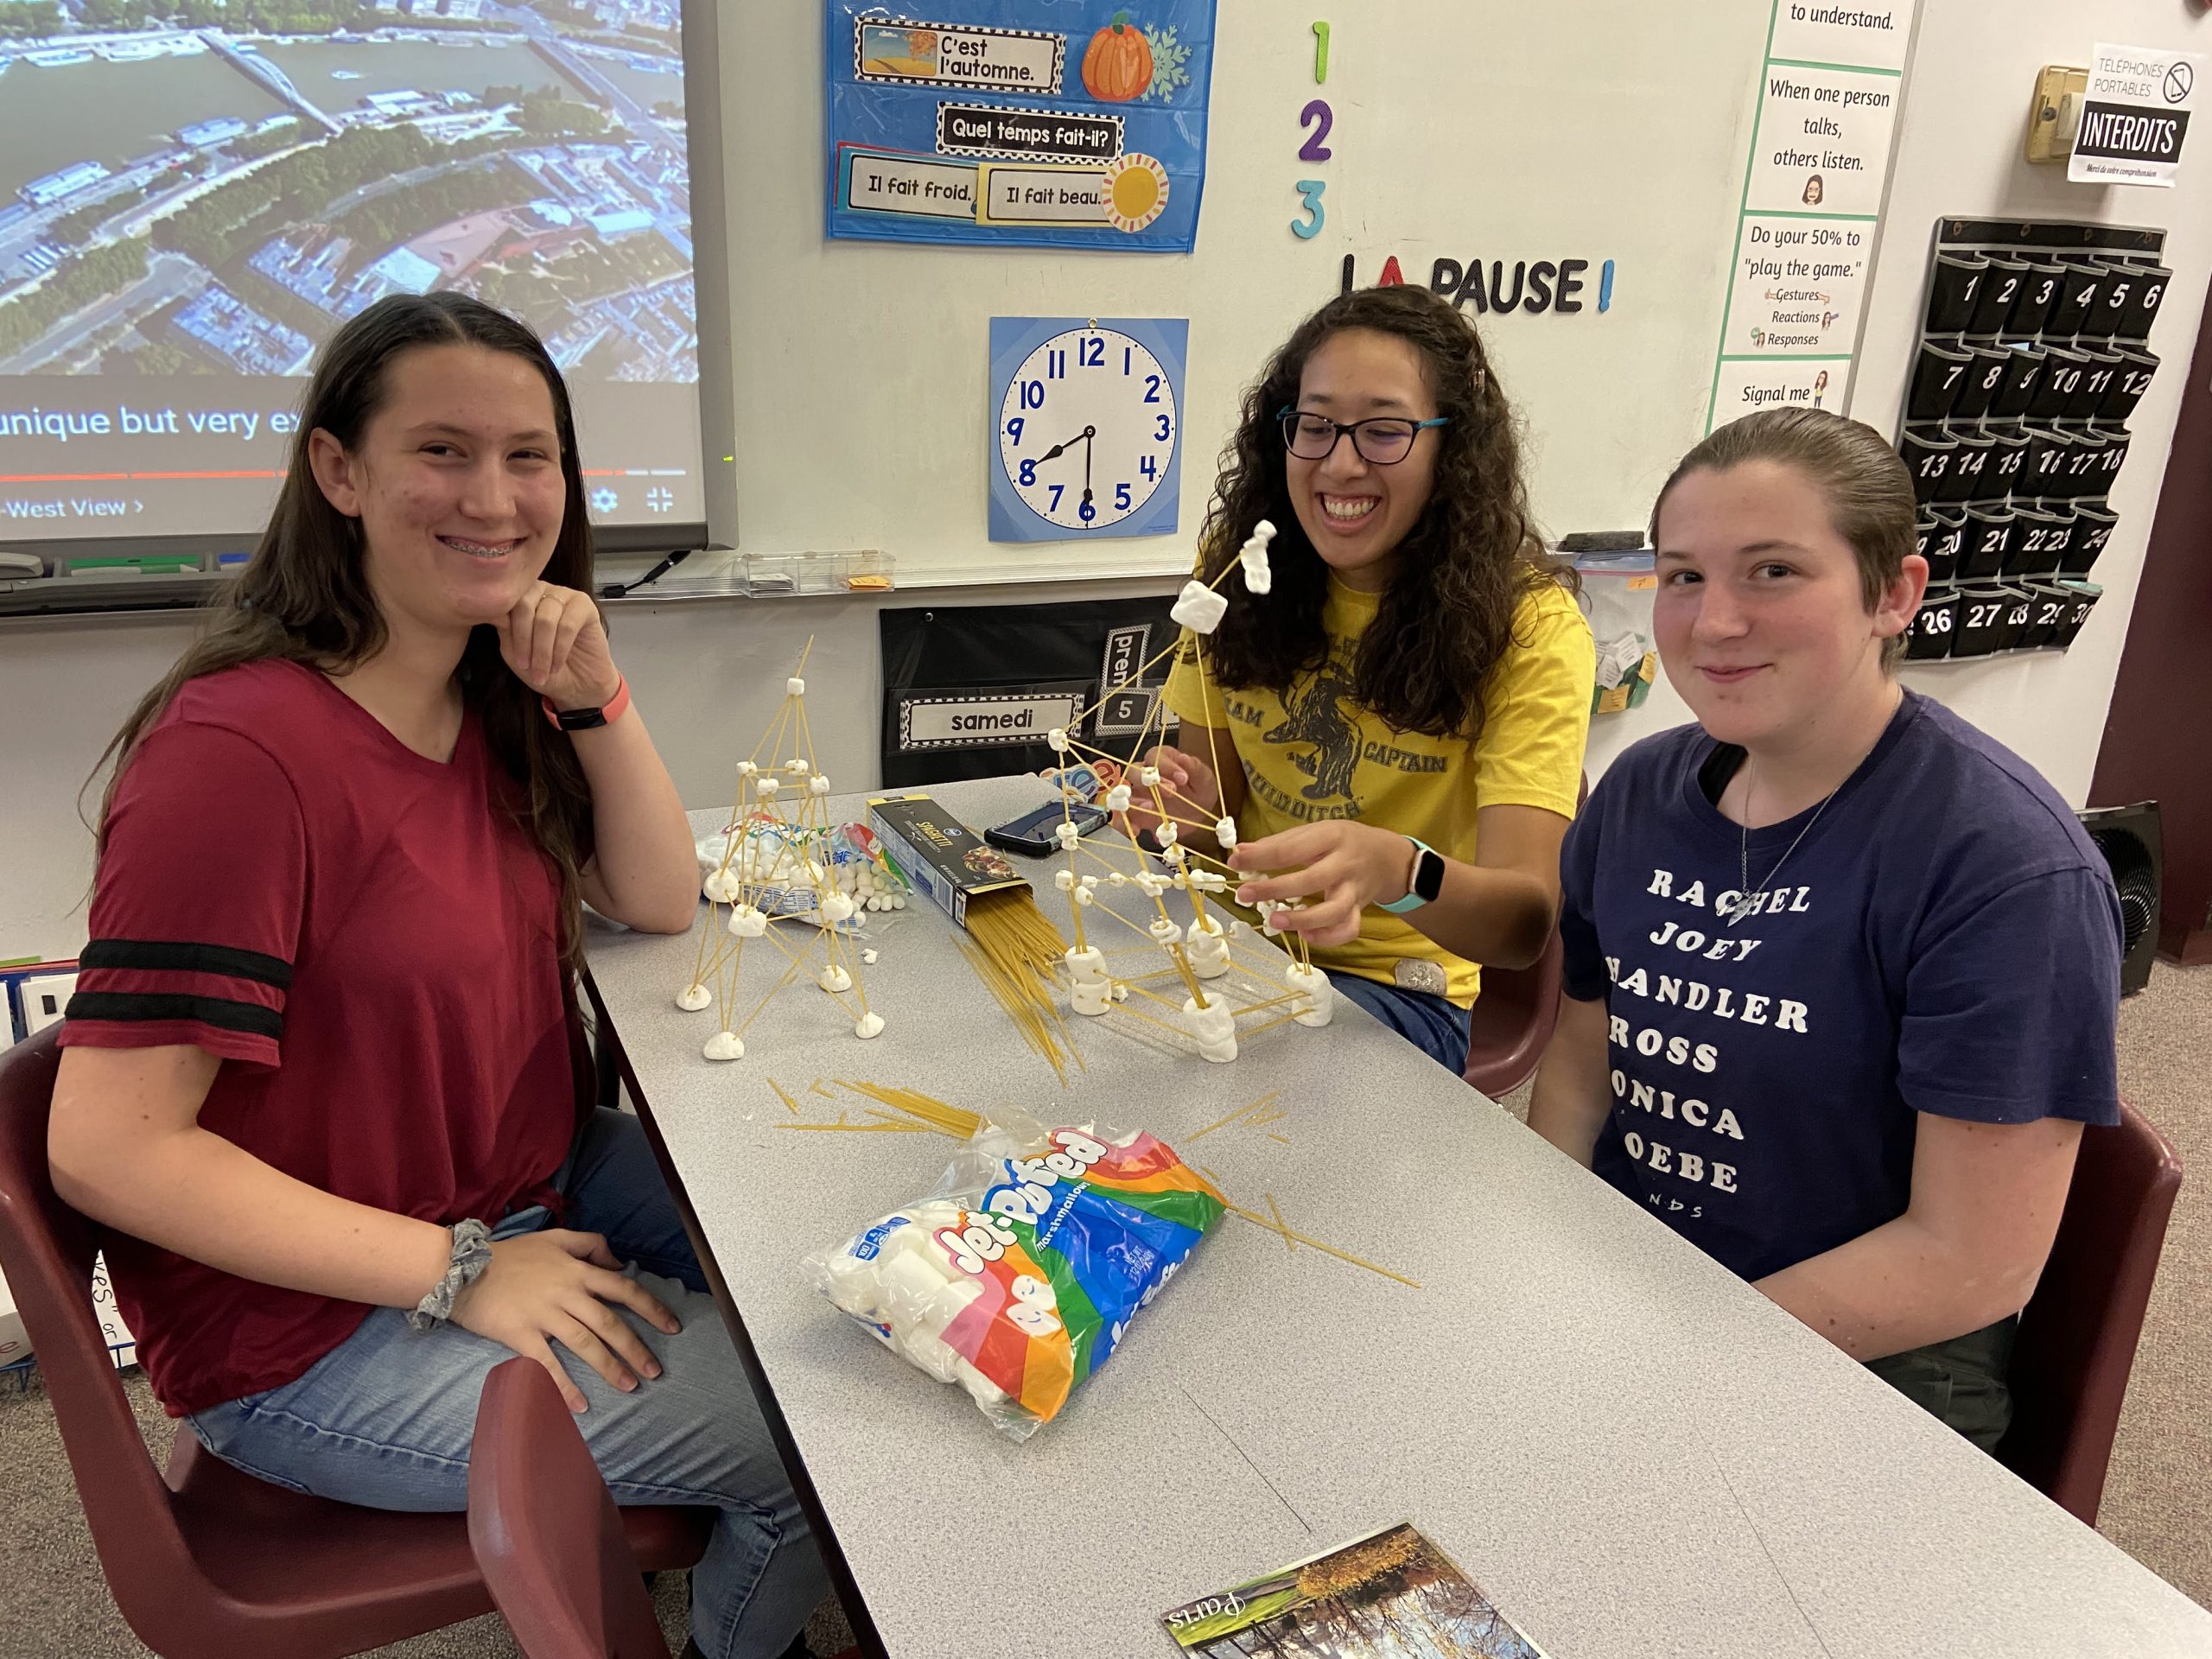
[1381,442]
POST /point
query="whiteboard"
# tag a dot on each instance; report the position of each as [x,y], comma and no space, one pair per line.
[1473,128]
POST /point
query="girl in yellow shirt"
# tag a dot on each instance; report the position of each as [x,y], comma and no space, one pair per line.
[1397,726]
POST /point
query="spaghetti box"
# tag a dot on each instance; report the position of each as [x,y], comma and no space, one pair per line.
[938,854]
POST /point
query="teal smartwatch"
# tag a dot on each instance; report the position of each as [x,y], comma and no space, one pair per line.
[1427,882]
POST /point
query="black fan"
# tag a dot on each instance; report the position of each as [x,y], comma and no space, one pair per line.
[2128,837]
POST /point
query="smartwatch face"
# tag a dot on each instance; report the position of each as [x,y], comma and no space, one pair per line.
[1428,874]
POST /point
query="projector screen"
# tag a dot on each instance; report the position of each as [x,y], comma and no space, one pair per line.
[194,194]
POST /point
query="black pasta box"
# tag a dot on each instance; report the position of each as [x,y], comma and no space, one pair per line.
[938,854]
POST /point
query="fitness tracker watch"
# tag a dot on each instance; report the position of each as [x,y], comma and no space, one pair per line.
[585,719]
[1427,882]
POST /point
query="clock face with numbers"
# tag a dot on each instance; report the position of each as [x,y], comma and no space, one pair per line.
[1088,426]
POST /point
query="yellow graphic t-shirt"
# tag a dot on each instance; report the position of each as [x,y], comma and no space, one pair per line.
[1315,754]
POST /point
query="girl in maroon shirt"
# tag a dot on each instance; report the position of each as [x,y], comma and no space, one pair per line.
[318,1080]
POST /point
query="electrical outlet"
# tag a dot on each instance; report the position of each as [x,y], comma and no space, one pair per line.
[44,998]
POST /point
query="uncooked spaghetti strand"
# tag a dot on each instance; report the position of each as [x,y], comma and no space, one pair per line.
[790,974]
[1315,1243]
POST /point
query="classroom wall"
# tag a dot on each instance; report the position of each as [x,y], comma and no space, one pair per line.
[1957,155]
[709,673]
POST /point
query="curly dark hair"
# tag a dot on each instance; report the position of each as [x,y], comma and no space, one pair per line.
[1447,619]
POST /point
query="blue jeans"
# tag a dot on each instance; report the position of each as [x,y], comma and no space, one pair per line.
[384,1420]
[1432,1023]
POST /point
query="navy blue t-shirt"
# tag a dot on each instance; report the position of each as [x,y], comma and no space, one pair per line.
[1944,939]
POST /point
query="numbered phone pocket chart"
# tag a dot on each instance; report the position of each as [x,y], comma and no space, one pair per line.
[1086,426]
[1034,124]
[2033,352]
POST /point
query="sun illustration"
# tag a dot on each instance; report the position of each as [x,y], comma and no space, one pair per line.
[1136,192]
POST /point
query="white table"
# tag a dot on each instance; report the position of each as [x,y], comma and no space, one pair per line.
[1633,1452]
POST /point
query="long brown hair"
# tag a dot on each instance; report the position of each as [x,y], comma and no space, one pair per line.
[304,596]
[1866,484]
[1446,619]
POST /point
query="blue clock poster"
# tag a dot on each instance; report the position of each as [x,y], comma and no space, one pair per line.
[1034,124]
[1086,435]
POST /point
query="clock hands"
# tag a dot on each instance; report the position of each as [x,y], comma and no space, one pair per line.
[1083,438]
[1059,449]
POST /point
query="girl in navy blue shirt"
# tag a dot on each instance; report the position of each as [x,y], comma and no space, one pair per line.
[1841,973]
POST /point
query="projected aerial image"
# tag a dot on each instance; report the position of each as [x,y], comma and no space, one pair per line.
[208,187]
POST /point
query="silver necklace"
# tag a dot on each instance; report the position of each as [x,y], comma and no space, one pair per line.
[1742,907]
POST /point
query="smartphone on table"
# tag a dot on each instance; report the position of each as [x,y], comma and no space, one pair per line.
[1037,833]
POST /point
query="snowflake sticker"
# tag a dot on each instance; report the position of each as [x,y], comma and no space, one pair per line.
[1169,57]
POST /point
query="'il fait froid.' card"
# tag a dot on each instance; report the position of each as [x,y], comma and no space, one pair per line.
[1390,1595]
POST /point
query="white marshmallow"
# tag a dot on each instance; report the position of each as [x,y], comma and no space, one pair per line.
[798,768]
[835,980]
[724,1045]
[1166,833]
[1209,954]
[795,687]
[767,784]
[1064,881]
[1166,932]
[1214,1026]
[692,998]
[1148,776]
[720,886]
[746,768]
[748,921]
[1117,799]
[984,1392]
[1090,996]
[836,907]
[1199,608]
[869,1025]
[1317,996]
[868,957]
[1057,739]
[1065,833]
[1085,964]
[1224,831]
[818,785]
[1082,896]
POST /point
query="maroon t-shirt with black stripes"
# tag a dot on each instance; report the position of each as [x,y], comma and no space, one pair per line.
[368,941]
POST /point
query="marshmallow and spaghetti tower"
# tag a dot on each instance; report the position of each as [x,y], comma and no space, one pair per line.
[1200,952]
[779,841]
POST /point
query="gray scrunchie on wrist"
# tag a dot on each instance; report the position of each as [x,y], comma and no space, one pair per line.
[472,1253]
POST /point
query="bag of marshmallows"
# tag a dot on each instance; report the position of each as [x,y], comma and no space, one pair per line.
[1017,1277]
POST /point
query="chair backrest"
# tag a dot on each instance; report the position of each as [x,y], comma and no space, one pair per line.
[2078,1332]
[47,1248]
[1512,1020]
[544,1529]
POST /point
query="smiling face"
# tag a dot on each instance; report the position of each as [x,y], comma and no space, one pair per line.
[1761,616]
[456,482]
[1354,513]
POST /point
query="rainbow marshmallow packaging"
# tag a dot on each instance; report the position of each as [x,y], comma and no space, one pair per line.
[1018,1277]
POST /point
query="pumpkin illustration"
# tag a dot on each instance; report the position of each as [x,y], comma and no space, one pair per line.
[1118,65]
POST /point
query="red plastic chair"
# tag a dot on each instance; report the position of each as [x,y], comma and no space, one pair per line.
[2078,1333]
[207,1562]
[1513,1014]
[547,1535]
